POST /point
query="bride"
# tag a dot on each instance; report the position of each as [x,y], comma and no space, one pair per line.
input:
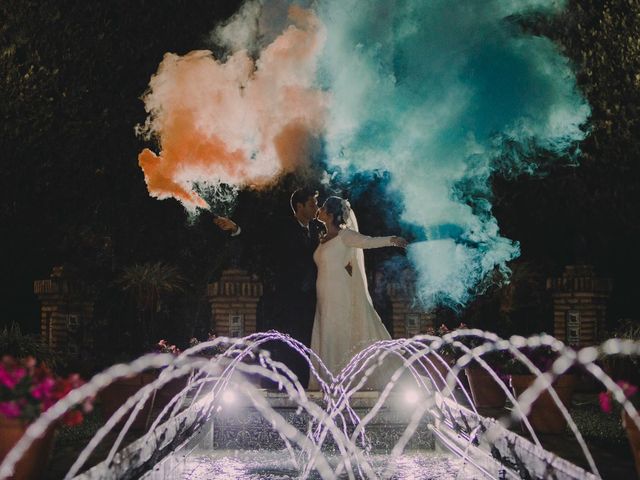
[345,320]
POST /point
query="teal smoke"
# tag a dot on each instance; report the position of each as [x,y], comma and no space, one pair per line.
[441,93]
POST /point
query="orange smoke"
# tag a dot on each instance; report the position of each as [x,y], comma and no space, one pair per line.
[240,122]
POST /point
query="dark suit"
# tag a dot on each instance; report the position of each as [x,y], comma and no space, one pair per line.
[291,301]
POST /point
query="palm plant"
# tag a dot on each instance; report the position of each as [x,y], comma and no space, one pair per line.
[148,283]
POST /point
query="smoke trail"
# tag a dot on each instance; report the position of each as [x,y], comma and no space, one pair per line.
[241,122]
[441,93]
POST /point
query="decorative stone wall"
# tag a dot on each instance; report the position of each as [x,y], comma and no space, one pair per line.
[66,312]
[409,316]
[234,303]
[579,305]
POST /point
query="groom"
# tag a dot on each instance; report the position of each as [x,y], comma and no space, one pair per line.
[291,302]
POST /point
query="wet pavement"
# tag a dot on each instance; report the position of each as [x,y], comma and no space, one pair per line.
[610,451]
[268,465]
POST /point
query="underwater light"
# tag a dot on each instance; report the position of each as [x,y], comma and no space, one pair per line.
[229,397]
[411,396]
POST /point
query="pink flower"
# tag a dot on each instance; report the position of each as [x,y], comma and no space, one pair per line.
[606,404]
[628,389]
[75,380]
[9,409]
[10,378]
[87,405]
[44,389]
[443,329]
[5,378]
[28,388]
[19,374]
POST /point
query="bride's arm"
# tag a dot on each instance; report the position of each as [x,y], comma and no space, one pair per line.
[354,239]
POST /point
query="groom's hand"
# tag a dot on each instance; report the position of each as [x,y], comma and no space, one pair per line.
[226,224]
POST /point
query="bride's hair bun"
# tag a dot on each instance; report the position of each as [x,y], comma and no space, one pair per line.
[339,208]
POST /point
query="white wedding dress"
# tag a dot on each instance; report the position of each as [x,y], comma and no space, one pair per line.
[345,320]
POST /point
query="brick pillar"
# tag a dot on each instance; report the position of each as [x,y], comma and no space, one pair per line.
[66,312]
[409,317]
[234,303]
[579,305]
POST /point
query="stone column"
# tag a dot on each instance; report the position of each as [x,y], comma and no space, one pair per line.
[579,305]
[409,317]
[66,312]
[234,303]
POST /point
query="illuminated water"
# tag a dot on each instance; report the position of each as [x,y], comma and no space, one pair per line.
[336,417]
[269,465]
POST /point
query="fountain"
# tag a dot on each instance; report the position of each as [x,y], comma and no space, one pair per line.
[424,420]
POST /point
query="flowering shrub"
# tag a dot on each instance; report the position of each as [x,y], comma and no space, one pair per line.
[630,393]
[27,389]
[542,357]
[217,350]
[446,349]
[443,330]
[164,347]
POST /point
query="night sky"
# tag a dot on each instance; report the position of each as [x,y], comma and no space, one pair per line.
[73,75]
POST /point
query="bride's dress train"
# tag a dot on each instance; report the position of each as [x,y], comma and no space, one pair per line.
[345,320]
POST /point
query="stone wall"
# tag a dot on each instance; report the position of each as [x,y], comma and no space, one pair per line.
[409,316]
[234,303]
[66,312]
[579,305]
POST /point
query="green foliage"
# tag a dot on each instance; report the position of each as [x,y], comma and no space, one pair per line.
[627,329]
[149,284]
[78,436]
[71,189]
[19,345]
[149,281]
[589,213]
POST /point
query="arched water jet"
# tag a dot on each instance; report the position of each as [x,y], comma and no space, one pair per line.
[543,380]
[242,361]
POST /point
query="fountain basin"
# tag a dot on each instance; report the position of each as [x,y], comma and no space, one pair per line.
[450,439]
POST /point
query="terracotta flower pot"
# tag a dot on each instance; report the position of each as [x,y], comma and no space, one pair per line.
[545,416]
[114,395]
[35,459]
[485,390]
[633,434]
[170,390]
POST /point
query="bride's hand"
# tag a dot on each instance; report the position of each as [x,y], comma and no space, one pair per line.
[399,242]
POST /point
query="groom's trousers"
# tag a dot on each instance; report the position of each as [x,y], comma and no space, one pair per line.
[293,315]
